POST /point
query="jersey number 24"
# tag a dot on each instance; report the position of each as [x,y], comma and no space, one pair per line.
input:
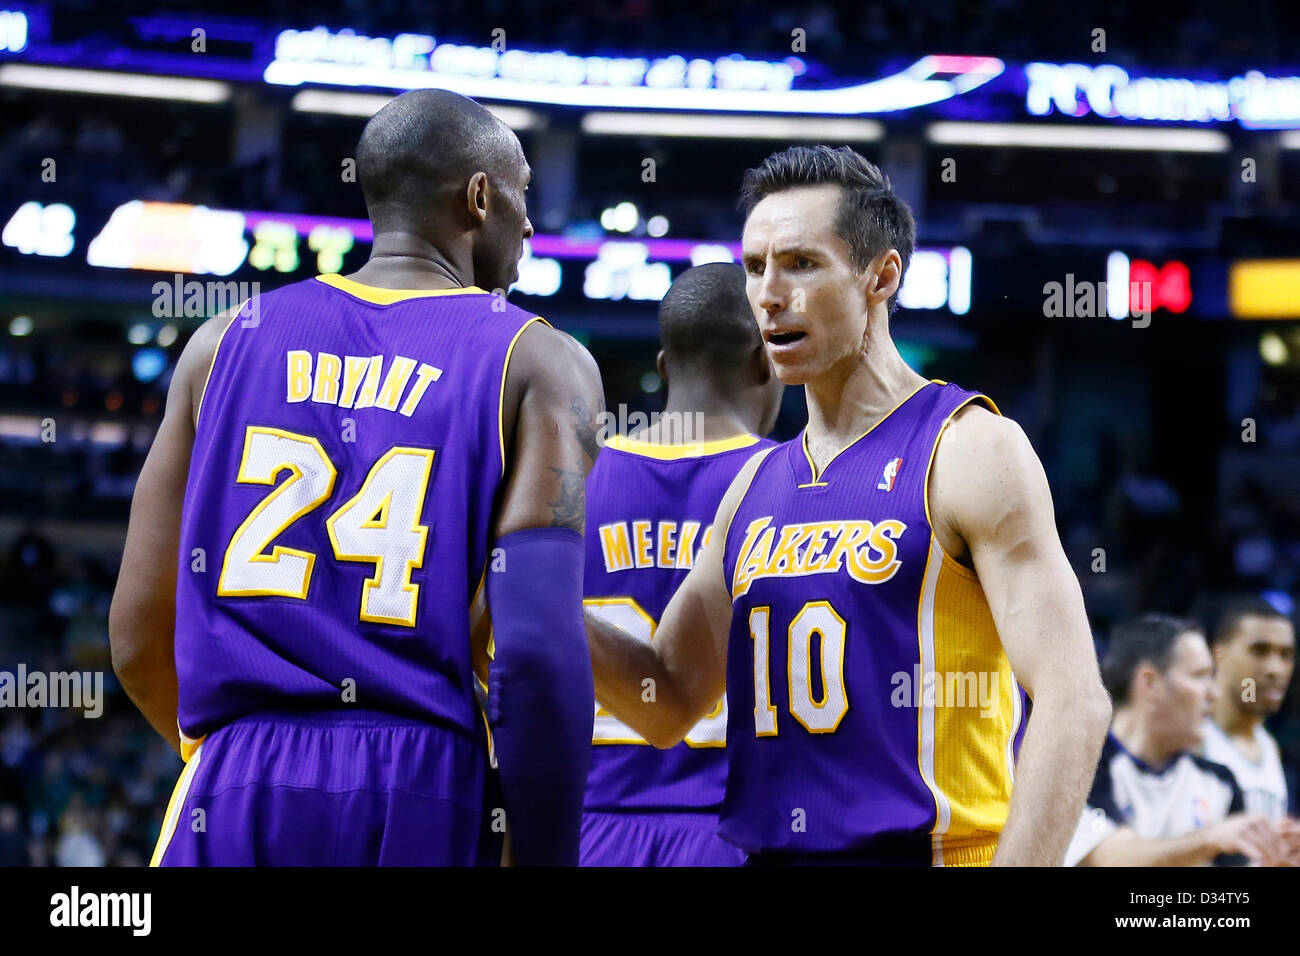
[379,525]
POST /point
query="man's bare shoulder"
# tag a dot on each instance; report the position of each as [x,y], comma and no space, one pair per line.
[978,436]
[200,352]
[550,360]
[558,370]
[545,352]
[984,468]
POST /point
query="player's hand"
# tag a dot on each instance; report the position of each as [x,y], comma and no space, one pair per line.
[1288,831]
[1249,834]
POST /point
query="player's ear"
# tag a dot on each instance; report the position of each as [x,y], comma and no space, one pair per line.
[661,366]
[476,199]
[1144,678]
[886,275]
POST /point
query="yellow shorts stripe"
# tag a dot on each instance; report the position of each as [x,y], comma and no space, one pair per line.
[176,804]
[977,852]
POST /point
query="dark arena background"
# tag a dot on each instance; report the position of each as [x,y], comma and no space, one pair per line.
[1108,209]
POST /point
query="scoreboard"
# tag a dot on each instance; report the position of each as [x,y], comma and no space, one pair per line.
[55,250]
[187,240]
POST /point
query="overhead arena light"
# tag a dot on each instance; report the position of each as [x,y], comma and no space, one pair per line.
[368,104]
[1077,137]
[108,83]
[634,123]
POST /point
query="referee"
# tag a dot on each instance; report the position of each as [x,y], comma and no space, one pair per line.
[1155,801]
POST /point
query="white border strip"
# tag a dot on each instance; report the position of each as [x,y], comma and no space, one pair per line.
[1058,136]
[943,818]
[368,104]
[177,806]
[109,83]
[1016,716]
[729,126]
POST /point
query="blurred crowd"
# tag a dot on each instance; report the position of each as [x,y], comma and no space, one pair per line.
[74,790]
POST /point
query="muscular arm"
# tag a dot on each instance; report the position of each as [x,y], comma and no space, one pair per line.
[990,502]
[687,661]
[540,685]
[142,618]
[553,398]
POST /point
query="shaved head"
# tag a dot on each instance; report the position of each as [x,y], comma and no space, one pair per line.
[705,320]
[421,160]
[713,354]
[427,141]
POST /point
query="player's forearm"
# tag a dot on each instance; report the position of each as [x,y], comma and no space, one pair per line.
[148,676]
[158,703]
[1126,848]
[142,616]
[1054,772]
[634,683]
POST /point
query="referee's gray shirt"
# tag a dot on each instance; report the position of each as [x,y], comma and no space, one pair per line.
[1186,794]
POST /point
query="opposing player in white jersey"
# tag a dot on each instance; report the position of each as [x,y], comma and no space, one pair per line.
[1254,656]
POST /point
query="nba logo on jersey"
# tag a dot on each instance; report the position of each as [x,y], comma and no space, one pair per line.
[890,476]
[1200,812]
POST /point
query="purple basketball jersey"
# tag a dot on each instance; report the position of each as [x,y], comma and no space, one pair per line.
[650,510]
[337,514]
[871,703]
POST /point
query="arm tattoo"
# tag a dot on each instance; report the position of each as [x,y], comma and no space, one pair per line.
[586,434]
[570,509]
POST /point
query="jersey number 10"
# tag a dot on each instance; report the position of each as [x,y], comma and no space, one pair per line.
[817,716]
[379,525]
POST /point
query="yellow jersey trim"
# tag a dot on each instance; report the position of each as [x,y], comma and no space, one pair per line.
[803,440]
[213,364]
[963,758]
[501,397]
[925,487]
[377,296]
[726,532]
[661,452]
[925,717]
[189,744]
